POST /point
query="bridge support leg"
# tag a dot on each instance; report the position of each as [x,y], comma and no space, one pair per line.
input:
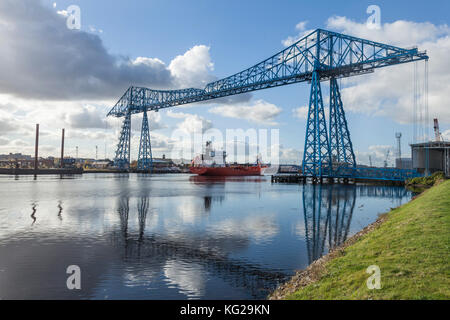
[145,159]
[341,147]
[122,158]
[316,155]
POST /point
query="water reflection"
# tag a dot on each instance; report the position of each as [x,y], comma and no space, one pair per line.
[172,236]
[209,200]
[60,209]
[142,216]
[33,213]
[327,211]
[187,258]
[210,180]
[124,211]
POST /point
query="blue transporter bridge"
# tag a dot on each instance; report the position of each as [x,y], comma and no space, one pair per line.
[320,56]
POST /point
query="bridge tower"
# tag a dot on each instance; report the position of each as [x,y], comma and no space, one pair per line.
[122,158]
[341,147]
[145,159]
[317,154]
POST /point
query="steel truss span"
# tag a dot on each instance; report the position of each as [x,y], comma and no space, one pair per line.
[320,56]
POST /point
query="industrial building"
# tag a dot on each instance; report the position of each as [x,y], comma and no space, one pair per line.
[429,157]
[432,156]
[403,163]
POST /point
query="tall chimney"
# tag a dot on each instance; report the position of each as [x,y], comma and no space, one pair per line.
[36,147]
[437,134]
[62,150]
[398,136]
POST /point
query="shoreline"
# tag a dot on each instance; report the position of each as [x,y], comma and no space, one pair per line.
[310,275]
[413,238]
[22,171]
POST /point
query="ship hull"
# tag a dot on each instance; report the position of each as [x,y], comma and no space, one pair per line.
[226,171]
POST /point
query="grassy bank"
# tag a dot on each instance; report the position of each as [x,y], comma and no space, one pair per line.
[411,247]
[425,182]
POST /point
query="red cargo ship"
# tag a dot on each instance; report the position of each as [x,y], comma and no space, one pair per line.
[235,170]
[212,163]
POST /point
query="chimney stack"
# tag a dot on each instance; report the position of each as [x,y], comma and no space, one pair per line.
[62,150]
[36,147]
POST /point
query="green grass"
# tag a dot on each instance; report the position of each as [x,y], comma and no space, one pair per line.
[411,248]
[426,181]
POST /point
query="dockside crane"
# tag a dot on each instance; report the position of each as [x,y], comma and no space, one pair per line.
[437,133]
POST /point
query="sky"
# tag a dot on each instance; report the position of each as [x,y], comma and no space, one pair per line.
[68,78]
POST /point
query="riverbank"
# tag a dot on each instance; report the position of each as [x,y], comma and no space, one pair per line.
[420,184]
[23,171]
[409,245]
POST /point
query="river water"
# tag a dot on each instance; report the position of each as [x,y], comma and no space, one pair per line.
[171,236]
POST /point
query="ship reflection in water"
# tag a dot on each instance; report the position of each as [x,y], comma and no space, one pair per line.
[172,237]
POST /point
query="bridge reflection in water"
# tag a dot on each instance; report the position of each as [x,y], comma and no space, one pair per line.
[211,252]
[172,236]
[327,212]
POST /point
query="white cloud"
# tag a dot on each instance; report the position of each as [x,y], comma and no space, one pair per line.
[195,123]
[302,31]
[377,154]
[77,65]
[176,115]
[6,123]
[12,126]
[389,91]
[290,155]
[90,134]
[286,155]
[190,280]
[149,62]
[192,123]
[95,30]
[63,13]
[11,108]
[86,126]
[260,228]
[399,33]
[4,141]
[160,142]
[446,135]
[301,26]
[86,117]
[81,120]
[259,111]
[300,112]
[154,119]
[80,82]
[192,68]
[18,143]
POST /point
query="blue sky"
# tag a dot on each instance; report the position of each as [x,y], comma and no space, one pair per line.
[240,34]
